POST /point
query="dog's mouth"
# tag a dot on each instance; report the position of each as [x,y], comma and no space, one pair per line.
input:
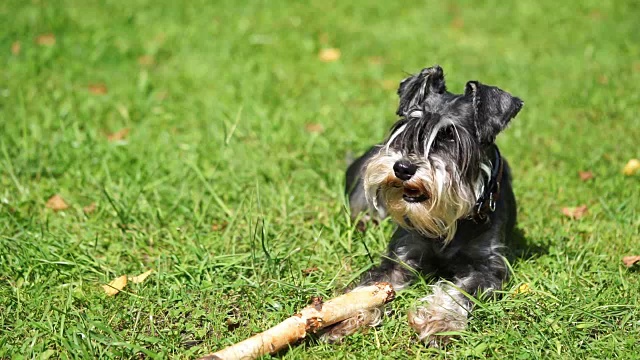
[413,195]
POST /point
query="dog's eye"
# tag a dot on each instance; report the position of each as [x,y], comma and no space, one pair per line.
[448,134]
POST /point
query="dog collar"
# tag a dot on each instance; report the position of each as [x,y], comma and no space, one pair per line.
[486,204]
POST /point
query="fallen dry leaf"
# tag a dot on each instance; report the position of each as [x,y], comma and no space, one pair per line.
[219,226]
[89,208]
[16,47]
[57,203]
[115,286]
[329,55]
[585,175]
[308,271]
[119,135]
[632,167]
[140,278]
[575,212]
[314,128]
[523,289]
[46,40]
[629,261]
[98,89]
[146,60]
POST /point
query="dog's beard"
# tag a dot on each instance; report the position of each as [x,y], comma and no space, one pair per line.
[448,197]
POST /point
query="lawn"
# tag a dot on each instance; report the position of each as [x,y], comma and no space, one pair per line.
[207,141]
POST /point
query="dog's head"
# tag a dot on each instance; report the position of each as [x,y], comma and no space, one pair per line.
[433,166]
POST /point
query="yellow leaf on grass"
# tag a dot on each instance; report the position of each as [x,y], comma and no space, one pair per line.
[632,167]
[329,55]
[140,278]
[115,286]
[523,289]
[46,40]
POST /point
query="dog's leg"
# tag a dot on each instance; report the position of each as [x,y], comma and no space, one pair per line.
[399,268]
[448,307]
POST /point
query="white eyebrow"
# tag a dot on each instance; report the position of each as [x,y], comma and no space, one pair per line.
[394,136]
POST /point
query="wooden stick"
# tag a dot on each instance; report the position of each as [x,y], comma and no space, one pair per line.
[310,319]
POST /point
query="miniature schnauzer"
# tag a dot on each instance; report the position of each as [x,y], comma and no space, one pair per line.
[440,177]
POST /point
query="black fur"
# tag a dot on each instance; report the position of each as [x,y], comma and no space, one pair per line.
[472,260]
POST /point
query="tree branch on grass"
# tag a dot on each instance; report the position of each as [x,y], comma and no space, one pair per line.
[312,318]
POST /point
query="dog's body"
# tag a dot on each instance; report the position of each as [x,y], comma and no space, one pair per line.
[440,177]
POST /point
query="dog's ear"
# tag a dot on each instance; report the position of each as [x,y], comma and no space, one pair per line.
[415,89]
[493,109]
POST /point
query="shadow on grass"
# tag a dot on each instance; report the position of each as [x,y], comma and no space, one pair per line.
[520,248]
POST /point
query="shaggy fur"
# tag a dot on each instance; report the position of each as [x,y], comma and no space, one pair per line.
[434,176]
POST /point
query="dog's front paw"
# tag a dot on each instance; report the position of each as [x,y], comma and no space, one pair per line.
[335,333]
[446,310]
[428,322]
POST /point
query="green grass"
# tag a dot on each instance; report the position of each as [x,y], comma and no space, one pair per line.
[223,192]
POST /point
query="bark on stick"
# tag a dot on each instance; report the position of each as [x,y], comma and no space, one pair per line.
[309,320]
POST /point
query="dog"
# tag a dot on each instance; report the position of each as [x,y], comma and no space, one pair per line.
[441,178]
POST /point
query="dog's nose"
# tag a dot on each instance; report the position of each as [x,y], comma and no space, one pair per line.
[404,170]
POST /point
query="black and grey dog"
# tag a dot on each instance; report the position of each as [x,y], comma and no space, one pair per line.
[440,177]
